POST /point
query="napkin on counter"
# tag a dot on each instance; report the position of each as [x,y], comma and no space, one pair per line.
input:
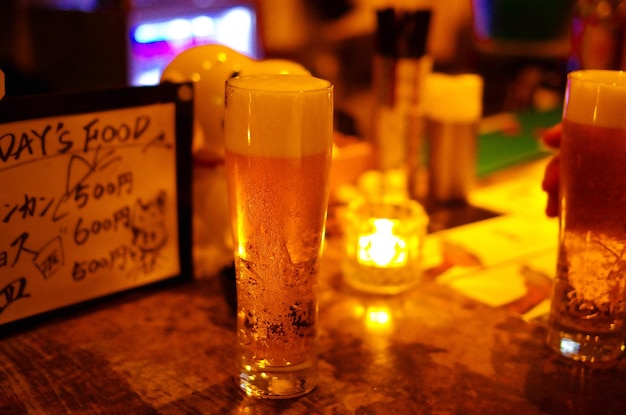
[507,261]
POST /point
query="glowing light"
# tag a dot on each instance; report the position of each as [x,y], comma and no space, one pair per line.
[175,29]
[178,29]
[382,248]
[569,347]
[235,28]
[150,77]
[378,318]
[146,33]
[202,26]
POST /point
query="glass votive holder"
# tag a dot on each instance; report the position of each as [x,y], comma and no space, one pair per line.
[383,243]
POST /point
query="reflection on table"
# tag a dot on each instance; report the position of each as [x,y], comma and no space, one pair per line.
[457,343]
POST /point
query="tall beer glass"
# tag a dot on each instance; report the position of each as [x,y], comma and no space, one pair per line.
[278,136]
[587,319]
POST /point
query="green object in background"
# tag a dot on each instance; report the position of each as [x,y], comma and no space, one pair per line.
[499,149]
[521,20]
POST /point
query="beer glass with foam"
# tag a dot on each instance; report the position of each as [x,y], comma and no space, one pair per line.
[278,140]
[588,313]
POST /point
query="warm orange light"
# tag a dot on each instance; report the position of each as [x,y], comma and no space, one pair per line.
[382,248]
[377,318]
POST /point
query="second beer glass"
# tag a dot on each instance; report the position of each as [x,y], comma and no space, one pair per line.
[588,315]
[278,138]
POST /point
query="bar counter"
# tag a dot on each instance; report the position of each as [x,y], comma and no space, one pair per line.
[170,350]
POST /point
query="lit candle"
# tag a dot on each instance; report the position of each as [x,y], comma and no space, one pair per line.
[382,248]
[383,245]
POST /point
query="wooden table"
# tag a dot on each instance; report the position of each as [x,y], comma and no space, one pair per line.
[170,350]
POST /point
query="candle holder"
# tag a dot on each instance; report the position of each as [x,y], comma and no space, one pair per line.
[384,245]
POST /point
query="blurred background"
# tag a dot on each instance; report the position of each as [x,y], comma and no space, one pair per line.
[522,48]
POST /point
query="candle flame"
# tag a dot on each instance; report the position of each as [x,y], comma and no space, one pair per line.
[382,248]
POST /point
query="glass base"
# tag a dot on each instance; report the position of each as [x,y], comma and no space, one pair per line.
[278,382]
[587,348]
[383,281]
[380,289]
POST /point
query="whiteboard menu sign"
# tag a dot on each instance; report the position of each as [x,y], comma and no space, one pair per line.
[95,195]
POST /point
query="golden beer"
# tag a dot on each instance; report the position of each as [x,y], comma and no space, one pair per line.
[587,319]
[278,137]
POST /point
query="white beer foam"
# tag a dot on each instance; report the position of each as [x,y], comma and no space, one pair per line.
[596,97]
[279,115]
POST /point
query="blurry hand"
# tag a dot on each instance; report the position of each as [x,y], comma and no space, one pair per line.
[550,184]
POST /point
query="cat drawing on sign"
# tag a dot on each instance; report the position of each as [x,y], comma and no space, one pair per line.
[149,231]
